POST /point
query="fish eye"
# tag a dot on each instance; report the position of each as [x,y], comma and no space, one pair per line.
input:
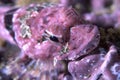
[54,38]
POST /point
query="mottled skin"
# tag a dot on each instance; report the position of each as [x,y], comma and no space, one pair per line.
[62,22]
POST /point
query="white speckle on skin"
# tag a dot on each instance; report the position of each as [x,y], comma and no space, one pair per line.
[95,69]
[26,46]
[65,78]
[92,64]
[14,18]
[86,76]
[34,14]
[87,17]
[82,59]
[37,46]
[93,61]
[55,61]
[72,57]
[88,70]
[88,60]
[84,51]
[76,62]
[80,76]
